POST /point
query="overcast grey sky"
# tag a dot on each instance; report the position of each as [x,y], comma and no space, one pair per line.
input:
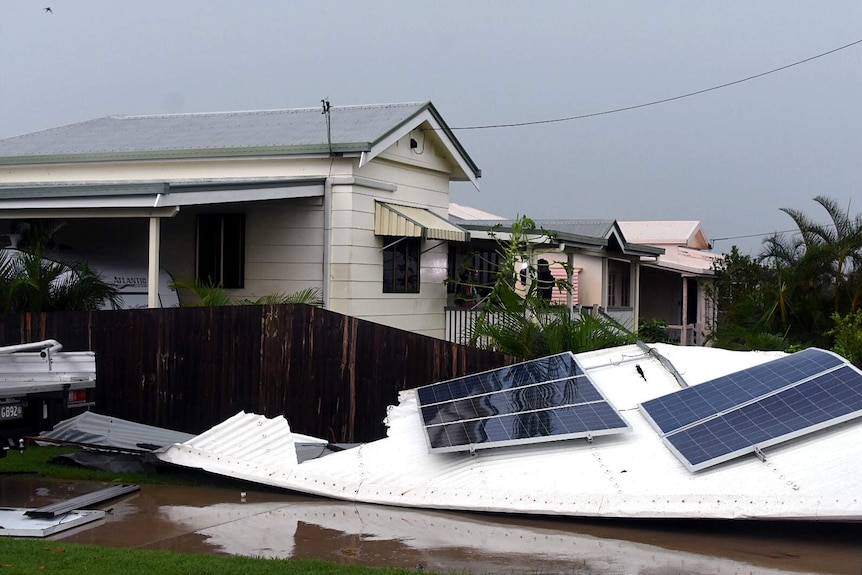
[729,158]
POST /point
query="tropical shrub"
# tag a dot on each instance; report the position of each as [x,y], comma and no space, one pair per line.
[653,331]
[210,295]
[848,336]
[790,295]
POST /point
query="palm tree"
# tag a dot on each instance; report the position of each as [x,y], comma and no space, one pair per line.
[836,248]
[816,273]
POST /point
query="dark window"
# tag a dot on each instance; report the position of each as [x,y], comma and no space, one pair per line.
[401,265]
[483,265]
[625,295]
[221,250]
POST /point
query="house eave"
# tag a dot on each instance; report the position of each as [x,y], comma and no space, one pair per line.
[344,150]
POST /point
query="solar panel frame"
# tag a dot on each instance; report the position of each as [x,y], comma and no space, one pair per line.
[556,400]
[710,398]
[797,407]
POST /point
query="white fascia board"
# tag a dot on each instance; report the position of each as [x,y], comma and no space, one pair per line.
[363,182]
[69,213]
[488,235]
[406,128]
[683,270]
[86,207]
[91,202]
[178,197]
[533,240]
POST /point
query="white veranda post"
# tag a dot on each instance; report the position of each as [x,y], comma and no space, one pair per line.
[153,264]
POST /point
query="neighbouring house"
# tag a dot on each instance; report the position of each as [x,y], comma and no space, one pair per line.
[632,271]
[351,200]
[675,285]
[594,256]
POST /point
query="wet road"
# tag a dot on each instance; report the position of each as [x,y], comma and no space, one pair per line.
[277,524]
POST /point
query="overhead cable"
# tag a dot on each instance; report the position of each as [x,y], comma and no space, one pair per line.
[662,101]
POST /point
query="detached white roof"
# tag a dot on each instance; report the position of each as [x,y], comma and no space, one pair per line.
[687,260]
[630,475]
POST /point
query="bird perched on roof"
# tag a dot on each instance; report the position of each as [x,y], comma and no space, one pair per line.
[48,9]
[640,371]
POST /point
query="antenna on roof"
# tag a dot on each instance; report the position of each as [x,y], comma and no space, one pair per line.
[326,106]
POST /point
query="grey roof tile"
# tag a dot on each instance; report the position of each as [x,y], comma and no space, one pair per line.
[303,130]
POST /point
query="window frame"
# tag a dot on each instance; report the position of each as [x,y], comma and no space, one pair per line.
[405,249]
[220,249]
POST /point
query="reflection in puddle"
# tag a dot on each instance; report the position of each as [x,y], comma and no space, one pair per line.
[277,524]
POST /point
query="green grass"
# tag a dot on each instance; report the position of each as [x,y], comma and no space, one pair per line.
[33,556]
[28,556]
[37,461]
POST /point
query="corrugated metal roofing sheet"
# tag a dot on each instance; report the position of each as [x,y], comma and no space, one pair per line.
[94,429]
[467,213]
[816,477]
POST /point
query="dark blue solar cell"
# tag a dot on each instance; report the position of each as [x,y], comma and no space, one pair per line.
[509,377]
[522,403]
[684,407]
[533,426]
[429,414]
[454,434]
[589,417]
[812,404]
[531,398]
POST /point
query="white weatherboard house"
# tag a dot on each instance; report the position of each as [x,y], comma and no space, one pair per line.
[353,202]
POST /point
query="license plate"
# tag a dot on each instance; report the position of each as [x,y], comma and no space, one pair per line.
[9,411]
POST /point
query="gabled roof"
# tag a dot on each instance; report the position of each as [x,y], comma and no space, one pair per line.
[585,234]
[365,130]
[666,232]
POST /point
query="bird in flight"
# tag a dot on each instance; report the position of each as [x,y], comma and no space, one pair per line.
[48,9]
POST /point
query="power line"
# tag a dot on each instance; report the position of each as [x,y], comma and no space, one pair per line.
[794,231]
[752,235]
[662,101]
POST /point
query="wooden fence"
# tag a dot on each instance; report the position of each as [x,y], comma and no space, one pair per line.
[188,369]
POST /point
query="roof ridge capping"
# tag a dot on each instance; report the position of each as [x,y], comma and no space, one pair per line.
[256,111]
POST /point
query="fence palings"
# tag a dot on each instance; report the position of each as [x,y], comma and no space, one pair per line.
[188,369]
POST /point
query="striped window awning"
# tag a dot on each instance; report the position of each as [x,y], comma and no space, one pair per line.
[411,222]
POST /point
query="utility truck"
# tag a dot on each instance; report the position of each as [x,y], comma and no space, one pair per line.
[41,385]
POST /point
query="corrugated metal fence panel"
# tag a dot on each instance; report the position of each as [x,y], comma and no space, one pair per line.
[187,369]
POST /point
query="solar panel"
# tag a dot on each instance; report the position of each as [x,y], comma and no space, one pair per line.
[674,411]
[542,400]
[757,407]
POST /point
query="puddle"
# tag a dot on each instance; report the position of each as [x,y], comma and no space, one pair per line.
[278,524]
